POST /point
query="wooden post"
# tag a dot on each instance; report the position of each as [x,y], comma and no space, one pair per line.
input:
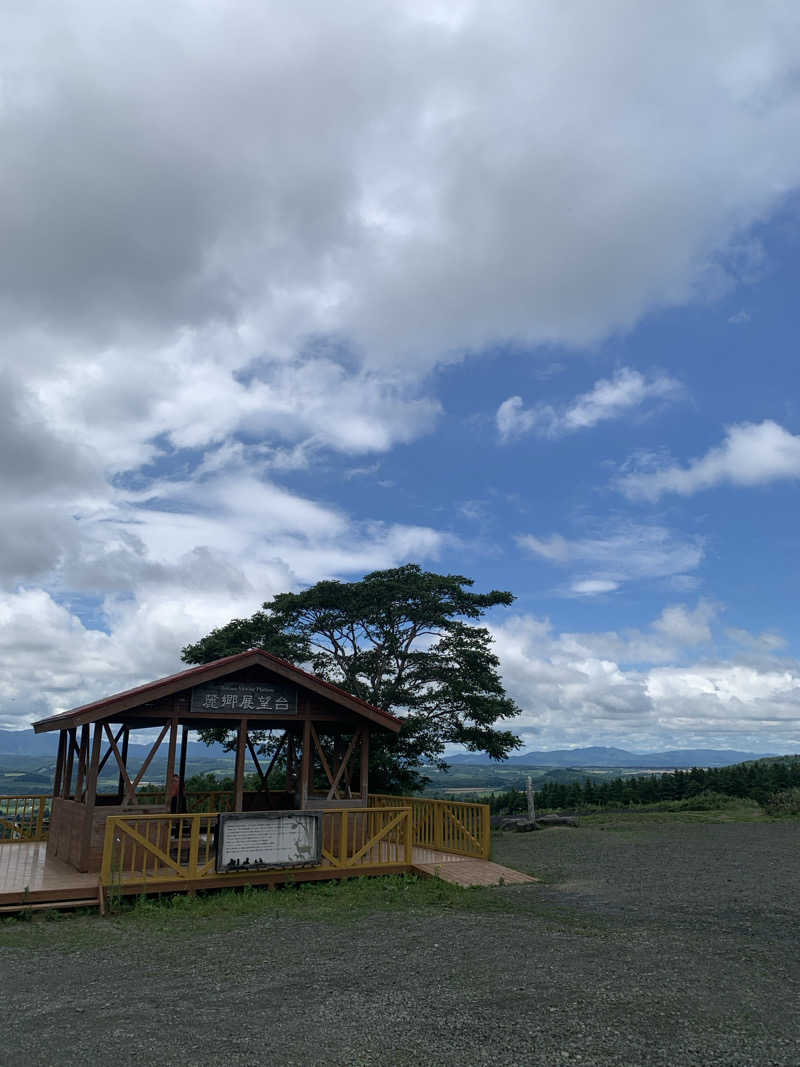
[173,744]
[124,754]
[83,759]
[92,772]
[61,758]
[291,759]
[184,747]
[238,781]
[94,765]
[73,744]
[531,804]
[305,765]
[364,772]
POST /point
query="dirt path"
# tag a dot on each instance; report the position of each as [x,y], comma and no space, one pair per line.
[676,945]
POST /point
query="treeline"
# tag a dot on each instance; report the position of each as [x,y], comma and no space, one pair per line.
[757,781]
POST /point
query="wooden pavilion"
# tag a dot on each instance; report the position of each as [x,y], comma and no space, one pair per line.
[320,732]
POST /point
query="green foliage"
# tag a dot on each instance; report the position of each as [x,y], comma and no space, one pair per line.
[403,640]
[784,802]
[700,789]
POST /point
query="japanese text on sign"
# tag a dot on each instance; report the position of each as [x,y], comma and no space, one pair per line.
[258,698]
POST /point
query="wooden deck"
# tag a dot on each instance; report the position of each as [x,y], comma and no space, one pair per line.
[464,870]
[29,879]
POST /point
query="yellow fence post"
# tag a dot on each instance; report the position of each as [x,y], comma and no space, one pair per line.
[343,838]
[108,849]
[438,825]
[409,833]
[486,830]
[194,845]
[40,820]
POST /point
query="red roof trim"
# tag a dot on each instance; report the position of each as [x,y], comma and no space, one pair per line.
[184,680]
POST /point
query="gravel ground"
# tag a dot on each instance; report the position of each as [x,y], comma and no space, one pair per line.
[651,942]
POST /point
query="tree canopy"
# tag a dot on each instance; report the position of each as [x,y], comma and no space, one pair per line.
[402,639]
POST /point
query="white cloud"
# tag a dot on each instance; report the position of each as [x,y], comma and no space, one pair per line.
[681,626]
[607,399]
[635,689]
[751,454]
[593,586]
[621,552]
[421,185]
[162,576]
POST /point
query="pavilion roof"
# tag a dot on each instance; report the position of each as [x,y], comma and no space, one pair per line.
[142,695]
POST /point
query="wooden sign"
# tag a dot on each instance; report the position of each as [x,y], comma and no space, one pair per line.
[253,698]
[260,840]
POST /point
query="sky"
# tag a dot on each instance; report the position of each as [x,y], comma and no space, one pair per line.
[292,292]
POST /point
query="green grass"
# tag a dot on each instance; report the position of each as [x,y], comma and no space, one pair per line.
[343,902]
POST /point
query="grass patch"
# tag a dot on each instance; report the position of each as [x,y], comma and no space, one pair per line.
[340,902]
[707,807]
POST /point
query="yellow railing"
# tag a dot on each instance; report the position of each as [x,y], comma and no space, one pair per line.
[445,825]
[147,850]
[24,818]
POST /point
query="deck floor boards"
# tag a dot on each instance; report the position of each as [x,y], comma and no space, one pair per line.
[28,876]
[26,873]
[466,871]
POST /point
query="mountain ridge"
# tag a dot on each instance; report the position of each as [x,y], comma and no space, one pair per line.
[601,756]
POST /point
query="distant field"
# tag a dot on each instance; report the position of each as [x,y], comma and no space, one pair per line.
[33,774]
[476,778]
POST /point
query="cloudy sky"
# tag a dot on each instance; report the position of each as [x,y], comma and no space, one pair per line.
[299,291]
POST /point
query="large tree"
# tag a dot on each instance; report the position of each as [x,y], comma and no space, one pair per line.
[403,639]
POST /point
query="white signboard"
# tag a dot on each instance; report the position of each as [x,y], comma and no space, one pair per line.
[259,840]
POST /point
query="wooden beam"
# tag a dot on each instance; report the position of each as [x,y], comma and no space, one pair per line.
[343,765]
[94,765]
[73,747]
[305,765]
[322,758]
[124,780]
[60,760]
[276,754]
[123,763]
[184,747]
[364,773]
[104,760]
[173,744]
[83,759]
[254,757]
[238,780]
[149,759]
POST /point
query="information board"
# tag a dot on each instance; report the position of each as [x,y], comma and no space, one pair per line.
[260,840]
[259,698]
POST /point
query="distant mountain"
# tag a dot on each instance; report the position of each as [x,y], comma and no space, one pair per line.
[598,756]
[27,743]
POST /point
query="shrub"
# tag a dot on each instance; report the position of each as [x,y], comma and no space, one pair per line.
[784,802]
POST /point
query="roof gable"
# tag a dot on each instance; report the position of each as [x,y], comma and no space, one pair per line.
[109,707]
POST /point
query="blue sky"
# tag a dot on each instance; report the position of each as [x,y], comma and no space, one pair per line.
[510,292]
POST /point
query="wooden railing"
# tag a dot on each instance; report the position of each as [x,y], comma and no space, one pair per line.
[147,850]
[201,801]
[24,818]
[445,825]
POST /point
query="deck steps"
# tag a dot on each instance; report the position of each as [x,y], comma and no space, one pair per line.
[93,902]
[466,871]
